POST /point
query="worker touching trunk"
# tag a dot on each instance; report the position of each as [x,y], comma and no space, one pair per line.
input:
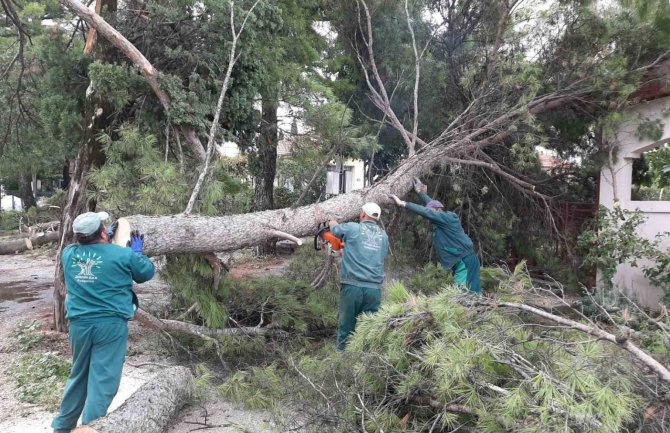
[454,248]
[100,300]
[362,269]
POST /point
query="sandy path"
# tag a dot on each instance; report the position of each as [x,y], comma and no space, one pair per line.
[26,286]
[26,294]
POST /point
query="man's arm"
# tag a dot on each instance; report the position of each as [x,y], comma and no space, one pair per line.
[432,216]
[425,198]
[421,189]
[141,267]
[339,230]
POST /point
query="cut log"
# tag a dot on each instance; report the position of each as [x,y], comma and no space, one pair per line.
[50,226]
[20,245]
[150,408]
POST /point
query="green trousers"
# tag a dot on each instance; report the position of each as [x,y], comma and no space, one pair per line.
[98,352]
[466,273]
[354,300]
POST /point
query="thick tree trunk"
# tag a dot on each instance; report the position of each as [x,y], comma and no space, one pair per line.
[28,243]
[97,116]
[193,234]
[150,408]
[266,164]
[66,174]
[266,169]
[26,191]
[90,155]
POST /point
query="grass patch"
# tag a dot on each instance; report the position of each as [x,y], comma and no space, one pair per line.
[40,378]
[27,335]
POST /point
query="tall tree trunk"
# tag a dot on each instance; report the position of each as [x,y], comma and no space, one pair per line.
[66,174]
[90,155]
[96,118]
[266,162]
[266,170]
[26,191]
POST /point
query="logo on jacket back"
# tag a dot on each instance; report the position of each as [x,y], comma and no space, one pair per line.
[371,237]
[87,264]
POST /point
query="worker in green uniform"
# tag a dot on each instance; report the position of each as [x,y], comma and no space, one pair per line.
[454,248]
[100,300]
[362,269]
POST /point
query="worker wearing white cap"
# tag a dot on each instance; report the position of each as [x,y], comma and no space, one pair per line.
[362,270]
[100,300]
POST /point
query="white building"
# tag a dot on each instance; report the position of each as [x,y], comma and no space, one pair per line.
[345,176]
[617,182]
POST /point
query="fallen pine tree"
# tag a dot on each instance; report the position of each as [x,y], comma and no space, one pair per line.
[450,361]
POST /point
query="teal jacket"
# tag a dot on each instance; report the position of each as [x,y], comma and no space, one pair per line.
[366,246]
[99,280]
[450,241]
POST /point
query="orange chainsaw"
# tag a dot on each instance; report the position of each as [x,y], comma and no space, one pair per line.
[325,240]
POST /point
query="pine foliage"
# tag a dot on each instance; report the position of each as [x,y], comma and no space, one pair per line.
[420,354]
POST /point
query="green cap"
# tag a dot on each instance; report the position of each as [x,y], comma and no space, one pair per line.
[89,222]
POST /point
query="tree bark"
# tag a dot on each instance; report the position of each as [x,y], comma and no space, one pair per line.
[26,192]
[265,164]
[97,116]
[194,234]
[266,156]
[16,246]
[90,155]
[150,408]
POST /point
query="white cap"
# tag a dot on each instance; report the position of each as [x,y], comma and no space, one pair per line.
[372,210]
[87,223]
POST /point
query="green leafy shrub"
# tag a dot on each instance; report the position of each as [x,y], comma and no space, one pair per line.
[40,378]
[614,240]
[27,336]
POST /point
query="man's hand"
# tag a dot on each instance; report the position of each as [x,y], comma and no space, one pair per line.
[419,186]
[136,241]
[397,200]
[332,223]
[112,229]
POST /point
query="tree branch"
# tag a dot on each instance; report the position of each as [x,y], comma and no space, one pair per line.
[232,59]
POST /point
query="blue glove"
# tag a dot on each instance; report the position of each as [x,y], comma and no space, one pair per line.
[136,241]
[111,229]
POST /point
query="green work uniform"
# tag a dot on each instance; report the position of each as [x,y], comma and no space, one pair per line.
[454,248]
[361,273]
[100,301]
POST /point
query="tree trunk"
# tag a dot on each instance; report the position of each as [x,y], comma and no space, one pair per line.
[267,157]
[66,174]
[90,155]
[26,191]
[266,163]
[28,243]
[150,408]
[97,116]
[193,234]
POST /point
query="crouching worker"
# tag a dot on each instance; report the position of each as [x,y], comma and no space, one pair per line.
[454,248]
[100,300]
[362,270]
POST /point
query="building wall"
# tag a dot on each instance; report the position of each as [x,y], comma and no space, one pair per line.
[618,182]
[355,181]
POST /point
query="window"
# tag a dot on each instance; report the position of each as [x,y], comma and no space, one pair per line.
[651,175]
[339,181]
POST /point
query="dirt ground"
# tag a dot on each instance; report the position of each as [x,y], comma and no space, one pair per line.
[26,286]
